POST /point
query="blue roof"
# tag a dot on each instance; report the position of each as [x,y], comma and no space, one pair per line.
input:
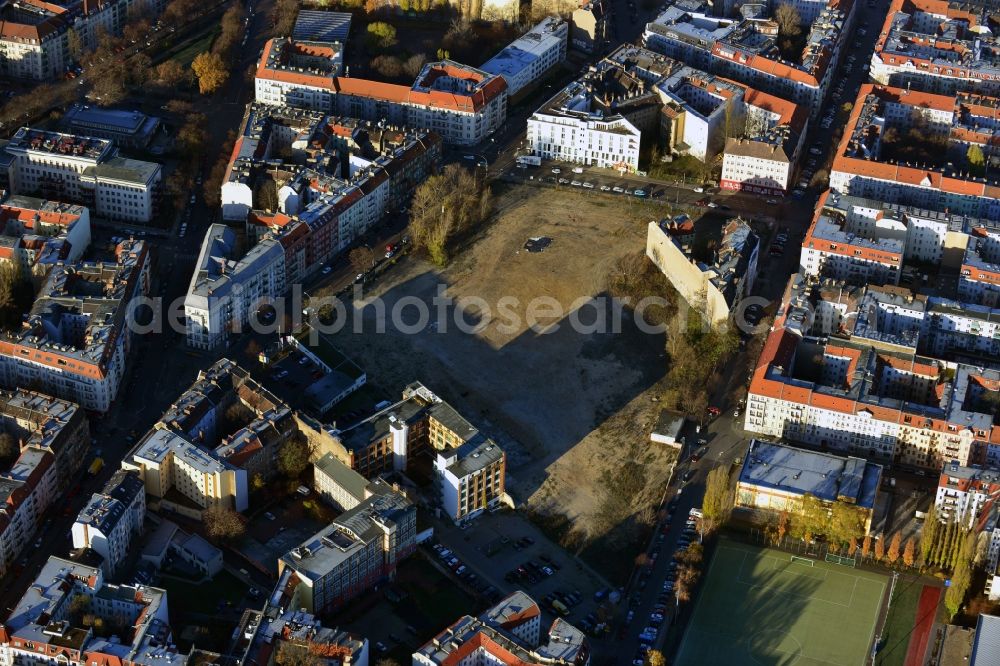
[509,61]
[986,648]
[825,475]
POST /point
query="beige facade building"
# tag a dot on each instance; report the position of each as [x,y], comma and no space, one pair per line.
[716,288]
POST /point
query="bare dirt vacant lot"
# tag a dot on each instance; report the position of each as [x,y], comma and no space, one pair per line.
[568,406]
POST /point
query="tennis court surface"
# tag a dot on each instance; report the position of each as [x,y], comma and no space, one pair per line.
[760,607]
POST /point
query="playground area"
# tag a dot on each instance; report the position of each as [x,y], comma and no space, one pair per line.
[761,606]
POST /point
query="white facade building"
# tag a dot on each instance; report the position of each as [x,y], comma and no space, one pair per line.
[82,170]
[962,492]
[109,522]
[531,55]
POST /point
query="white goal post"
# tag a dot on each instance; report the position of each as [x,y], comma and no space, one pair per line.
[803,560]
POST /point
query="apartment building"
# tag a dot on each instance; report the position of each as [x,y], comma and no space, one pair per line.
[744,50]
[939,46]
[39,421]
[531,56]
[227,288]
[763,158]
[775,477]
[83,170]
[869,390]
[33,33]
[506,634]
[589,26]
[262,633]
[191,461]
[713,284]
[598,120]
[462,104]
[979,280]
[963,492]
[470,468]
[35,231]
[340,485]
[76,339]
[359,549]
[868,164]
[26,490]
[111,519]
[471,478]
[184,478]
[42,628]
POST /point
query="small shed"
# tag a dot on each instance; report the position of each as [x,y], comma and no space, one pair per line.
[668,428]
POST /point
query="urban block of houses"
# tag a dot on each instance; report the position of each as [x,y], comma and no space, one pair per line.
[74,342]
[715,282]
[866,163]
[80,169]
[531,56]
[861,241]
[111,519]
[358,550]
[52,435]
[851,375]
[462,104]
[34,42]
[470,468]
[775,477]
[337,180]
[508,633]
[744,49]
[39,232]
[939,46]
[598,120]
[198,457]
[43,625]
[261,634]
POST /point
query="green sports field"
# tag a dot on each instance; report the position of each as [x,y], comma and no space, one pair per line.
[756,606]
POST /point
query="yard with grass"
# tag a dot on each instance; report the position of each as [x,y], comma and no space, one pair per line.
[186,55]
[433,602]
[762,606]
[187,599]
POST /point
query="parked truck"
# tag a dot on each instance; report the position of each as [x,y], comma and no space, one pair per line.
[529,160]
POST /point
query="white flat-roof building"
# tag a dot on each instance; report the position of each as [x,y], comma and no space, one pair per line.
[85,170]
[109,522]
[530,56]
[360,548]
[598,120]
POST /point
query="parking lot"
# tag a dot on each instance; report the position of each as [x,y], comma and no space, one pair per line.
[505,552]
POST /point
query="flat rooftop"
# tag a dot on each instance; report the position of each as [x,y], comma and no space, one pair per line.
[799,471]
